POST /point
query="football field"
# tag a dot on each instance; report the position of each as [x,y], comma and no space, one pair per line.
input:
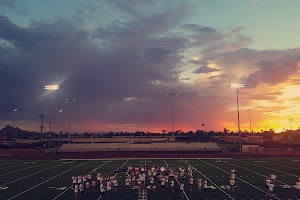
[52,179]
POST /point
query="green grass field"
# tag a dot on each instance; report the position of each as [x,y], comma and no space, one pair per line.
[51,179]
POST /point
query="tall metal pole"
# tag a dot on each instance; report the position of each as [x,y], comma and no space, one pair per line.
[70,100]
[52,88]
[69,130]
[42,127]
[250,120]
[14,116]
[60,111]
[172,93]
[50,118]
[236,86]
[238,108]
[173,119]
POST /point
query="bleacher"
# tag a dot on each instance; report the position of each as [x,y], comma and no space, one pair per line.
[133,147]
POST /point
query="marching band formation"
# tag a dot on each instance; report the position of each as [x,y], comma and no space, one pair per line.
[164,177]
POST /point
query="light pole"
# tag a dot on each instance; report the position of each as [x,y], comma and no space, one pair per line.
[237,86]
[52,89]
[141,118]
[172,93]
[14,117]
[250,120]
[42,127]
[69,101]
[60,111]
[291,120]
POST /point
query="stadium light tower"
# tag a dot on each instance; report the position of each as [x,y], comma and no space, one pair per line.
[237,86]
[250,121]
[14,117]
[52,89]
[141,118]
[69,101]
[60,111]
[172,93]
[291,120]
[42,126]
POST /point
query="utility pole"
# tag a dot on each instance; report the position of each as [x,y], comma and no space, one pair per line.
[42,127]
[14,117]
[172,93]
[69,101]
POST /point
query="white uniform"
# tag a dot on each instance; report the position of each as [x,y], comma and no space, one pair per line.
[297,185]
[115,183]
[102,188]
[271,186]
[205,184]
[81,187]
[108,186]
[76,188]
[127,181]
[232,176]
[79,179]
[199,183]
[231,182]
[181,186]
[273,177]
[172,183]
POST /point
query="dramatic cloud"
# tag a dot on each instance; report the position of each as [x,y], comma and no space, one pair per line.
[205,69]
[21,37]
[119,66]
[277,70]
[14,5]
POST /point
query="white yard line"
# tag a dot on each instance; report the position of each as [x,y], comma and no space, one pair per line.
[25,168]
[210,180]
[9,163]
[269,168]
[29,175]
[178,182]
[153,158]
[257,173]
[72,185]
[118,173]
[15,166]
[240,179]
[121,167]
[283,165]
[46,181]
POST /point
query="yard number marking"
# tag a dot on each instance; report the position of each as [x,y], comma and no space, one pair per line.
[3,188]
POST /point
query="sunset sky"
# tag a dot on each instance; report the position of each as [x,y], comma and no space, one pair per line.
[118,57]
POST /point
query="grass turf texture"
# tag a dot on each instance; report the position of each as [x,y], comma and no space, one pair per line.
[43,179]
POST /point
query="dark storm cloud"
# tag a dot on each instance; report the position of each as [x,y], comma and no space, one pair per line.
[205,69]
[14,5]
[100,77]
[131,6]
[212,40]
[21,37]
